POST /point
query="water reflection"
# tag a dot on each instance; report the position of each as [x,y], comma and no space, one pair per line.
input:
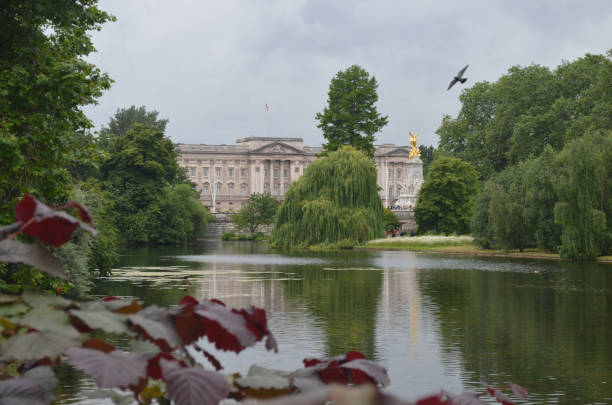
[434,321]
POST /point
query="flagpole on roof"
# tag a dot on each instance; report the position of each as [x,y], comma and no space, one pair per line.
[266,109]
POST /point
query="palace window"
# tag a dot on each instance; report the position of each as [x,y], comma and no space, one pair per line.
[218,188]
[275,189]
[231,172]
[243,172]
[205,169]
[230,189]
[243,190]
[276,172]
[265,172]
[391,192]
[399,173]
[285,173]
[266,188]
[205,189]
[218,171]
[390,174]
[193,171]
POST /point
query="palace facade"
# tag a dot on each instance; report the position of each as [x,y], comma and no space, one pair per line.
[226,175]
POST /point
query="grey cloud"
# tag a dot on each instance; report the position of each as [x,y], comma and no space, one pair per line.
[208,66]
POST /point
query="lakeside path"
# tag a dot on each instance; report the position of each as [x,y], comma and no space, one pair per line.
[463,245]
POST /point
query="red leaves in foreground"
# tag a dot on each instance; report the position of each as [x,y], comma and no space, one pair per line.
[228,329]
[50,225]
[353,367]
[446,398]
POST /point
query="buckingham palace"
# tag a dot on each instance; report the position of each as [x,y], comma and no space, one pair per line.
[226,175]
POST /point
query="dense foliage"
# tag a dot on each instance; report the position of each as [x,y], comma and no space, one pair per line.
[163,363]
[555,202]
[539,140]
[390,219]
[153,203]
[514,118]
[260,209]
[335,200]
[45,81]
[350,117]
[427,156]
[584,188]
[124,119]
[445,200]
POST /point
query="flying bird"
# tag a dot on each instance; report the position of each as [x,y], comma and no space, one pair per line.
[458,78]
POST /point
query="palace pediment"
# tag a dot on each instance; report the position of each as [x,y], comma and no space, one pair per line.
[399,152]
[277,147]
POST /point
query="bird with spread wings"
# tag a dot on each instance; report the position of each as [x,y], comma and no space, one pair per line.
[458,78]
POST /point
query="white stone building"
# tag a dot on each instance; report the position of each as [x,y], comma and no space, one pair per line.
[229,174]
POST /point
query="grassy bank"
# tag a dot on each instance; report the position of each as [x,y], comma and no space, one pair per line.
[423,242]
[458,244]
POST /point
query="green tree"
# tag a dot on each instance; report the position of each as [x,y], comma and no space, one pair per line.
[514,209]
[335,200]
[507,210]
[143,176]
[125,118]
[260,209]
[390,219]
[540,177]
[515,118]
[445,200]
[44,82]
[350,117]
[584,192]
[427,156]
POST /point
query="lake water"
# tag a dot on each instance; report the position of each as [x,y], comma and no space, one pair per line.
[434,321]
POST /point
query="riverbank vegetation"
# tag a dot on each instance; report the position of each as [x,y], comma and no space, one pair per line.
[541,144]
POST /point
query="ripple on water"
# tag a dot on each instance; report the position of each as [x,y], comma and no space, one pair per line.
[253,259]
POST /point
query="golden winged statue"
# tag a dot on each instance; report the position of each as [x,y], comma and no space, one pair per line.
[414,150]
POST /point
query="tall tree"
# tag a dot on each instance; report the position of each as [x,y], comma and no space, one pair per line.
[152,201]
[584,192]
[125,118]
[260,209]
[427,156]
[44,82]
[445,200]
[350,117]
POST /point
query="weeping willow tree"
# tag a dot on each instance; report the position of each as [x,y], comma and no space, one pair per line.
[335,202]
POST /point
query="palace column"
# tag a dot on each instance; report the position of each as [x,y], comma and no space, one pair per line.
[272,176]
[262,167]
[281,175]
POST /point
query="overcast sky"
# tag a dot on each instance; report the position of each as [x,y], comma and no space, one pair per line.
[209,66]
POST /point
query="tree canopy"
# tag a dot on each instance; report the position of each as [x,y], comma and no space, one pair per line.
[44,82]
[152,199]
[335,200]
[260,209]
[445,200]
[125,118]
[514,118]
[351,117]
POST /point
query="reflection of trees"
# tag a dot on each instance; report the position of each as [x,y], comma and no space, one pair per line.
[549,332]
[344,302]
